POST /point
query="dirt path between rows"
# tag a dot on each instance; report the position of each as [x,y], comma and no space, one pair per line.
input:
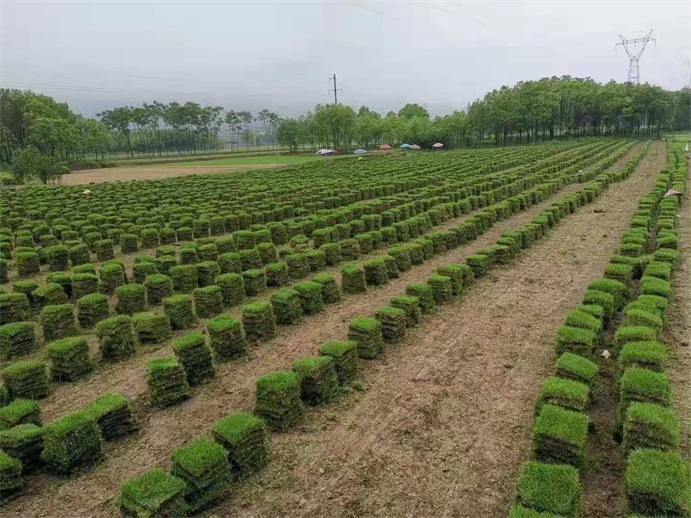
[442,413]
[677,334]
[123,174]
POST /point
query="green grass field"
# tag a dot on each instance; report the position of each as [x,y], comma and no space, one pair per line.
[254,160]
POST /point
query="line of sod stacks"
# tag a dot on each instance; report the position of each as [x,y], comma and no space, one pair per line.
[344,356]
[226,338]
[180,311]
[310,297]
[20,411]
[11,481]
[318,379]
[245,439]
[70,442]
[203,466]
[195,356]
[153,493]
[287,306]
[151,327]
[48,294]
[91,309]
[69,358]
[167,382]
[26,379]
[425,296]
[367,333]
[254,281]
[258,321]
[58,322]
[112,414]
[277,399]
[353,279]
[393,323]
[25,443]
[17,339]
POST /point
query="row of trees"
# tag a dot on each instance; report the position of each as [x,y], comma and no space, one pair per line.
[52,135]
[556,107]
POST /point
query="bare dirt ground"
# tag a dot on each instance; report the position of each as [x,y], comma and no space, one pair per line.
[678,329]
[122,174]
[444,421]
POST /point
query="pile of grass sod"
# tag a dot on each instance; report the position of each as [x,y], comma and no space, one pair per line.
[69,358]
[353,279]
[112,414]
[425,296]
[550,488]
[367,333]
[575,367]
[203,466]
[91,309]
[393,323]
[208,301]
[441,288]
[559,436]
[58,322]
[479,264]
[17,339]
[276,274]
[298,266]
[576,340]
[258,322]
[287,306]
[167,382]
[310,297]
[329,288]
[566,393]
[318,379]
[376,273]
[644,386]
[11,481]
[195,356]
[112,275]
[650,355]
[140,271]
[50,294]
[25,443]
[151,327]
[184,278]
[180,311]
[71,442]
[254,281]
[455,274]
[158,287]
[232,288]
[391,267]
[20,411]
[153,493]
[583,319]
[599,298]
[245,439]
[226,338]
[277,399]
[402,257]
[344,356]
[26,379]
[131,299]
[332,253]
[411,306]
[648,425]
[116,337]
[658,483]
[85,284]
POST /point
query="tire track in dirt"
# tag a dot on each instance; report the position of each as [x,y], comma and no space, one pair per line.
[677,333]
[446,419]
[233,388]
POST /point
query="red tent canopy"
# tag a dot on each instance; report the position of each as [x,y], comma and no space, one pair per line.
[384,147]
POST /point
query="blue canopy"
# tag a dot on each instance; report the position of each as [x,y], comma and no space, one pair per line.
[360,151]
[405,145]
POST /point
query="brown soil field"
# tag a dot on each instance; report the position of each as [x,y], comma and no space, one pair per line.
[443,421]
[122,174]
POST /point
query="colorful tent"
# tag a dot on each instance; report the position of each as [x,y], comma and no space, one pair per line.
[405,146]
[385,147]
[325,152]
[438,145]
[415,147]
[360,151]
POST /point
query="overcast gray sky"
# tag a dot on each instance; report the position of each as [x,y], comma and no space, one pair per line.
[258,54]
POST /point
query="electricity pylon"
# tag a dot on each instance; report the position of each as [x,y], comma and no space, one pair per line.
[634,49]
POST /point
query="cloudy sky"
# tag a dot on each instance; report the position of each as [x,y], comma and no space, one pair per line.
[258,54]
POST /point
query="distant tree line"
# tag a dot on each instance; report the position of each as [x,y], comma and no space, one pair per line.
[40,136]
[556,107]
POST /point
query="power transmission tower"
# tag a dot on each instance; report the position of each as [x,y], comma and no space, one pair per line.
[634,49]
[335,90]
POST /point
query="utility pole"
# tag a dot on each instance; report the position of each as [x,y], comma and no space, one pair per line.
[634,52]
[335,90]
